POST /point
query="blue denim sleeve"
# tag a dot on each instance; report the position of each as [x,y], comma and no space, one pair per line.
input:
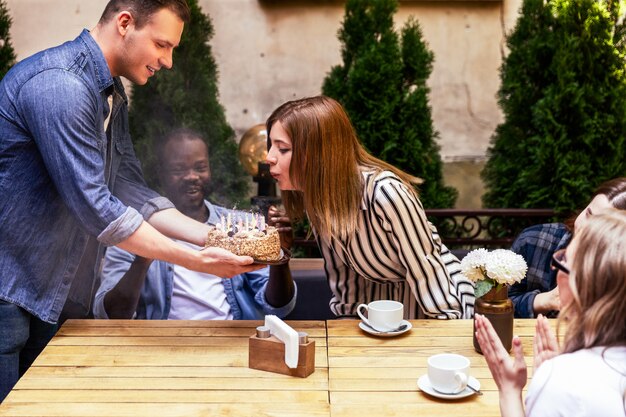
[116,263]
[519,293]
[257,280]
[61,112]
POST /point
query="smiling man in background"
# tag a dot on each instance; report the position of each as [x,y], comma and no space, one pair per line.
[70,181]
[136,287]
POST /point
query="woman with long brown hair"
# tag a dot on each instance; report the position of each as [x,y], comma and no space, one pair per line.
[588,376]
[366,215]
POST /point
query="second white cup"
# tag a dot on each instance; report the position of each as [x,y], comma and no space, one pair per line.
[382,315]
[448,372]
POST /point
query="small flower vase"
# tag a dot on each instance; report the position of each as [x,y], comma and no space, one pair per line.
[497,307]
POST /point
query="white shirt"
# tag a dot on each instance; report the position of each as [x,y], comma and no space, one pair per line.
[580,384]
[197,295]
[396,254]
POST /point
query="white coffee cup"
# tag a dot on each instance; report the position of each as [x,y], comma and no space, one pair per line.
[448,372]
[382,315]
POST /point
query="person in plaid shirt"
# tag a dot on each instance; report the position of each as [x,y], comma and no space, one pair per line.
[538,293]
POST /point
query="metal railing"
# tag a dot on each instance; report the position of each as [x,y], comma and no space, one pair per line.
[492,228]
[469,229]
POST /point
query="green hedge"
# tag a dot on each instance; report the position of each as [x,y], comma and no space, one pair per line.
[7,54]
[382,85]
[563,95]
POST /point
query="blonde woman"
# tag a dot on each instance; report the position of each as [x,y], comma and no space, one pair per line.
[588,377]
[366,215]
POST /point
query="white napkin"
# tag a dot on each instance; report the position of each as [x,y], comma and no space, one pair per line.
[288,336]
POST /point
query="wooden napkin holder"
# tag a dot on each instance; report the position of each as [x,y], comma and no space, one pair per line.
[267,353]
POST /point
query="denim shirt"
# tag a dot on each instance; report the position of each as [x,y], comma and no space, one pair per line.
[55,192]
[245,293]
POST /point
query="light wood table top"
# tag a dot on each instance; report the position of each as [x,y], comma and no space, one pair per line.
[377,376]
[164,368]
[197,368]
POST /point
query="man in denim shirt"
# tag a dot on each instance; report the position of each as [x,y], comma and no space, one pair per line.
[64,178]
[132,286]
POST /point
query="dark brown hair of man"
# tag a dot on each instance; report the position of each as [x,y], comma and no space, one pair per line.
[142,10]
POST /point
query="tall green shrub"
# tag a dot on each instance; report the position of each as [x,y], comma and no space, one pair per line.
[7,54]
[563,95]
[382,85]
[187,96]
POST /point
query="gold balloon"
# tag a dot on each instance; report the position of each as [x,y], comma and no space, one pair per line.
[253,148]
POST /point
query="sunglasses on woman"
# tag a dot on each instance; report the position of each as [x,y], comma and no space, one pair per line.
[557,261]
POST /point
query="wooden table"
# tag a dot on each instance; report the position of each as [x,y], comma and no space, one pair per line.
[373,376]
[193,368]
[164,368]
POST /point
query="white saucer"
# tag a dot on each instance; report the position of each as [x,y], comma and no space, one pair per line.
[371,331]
[424,384]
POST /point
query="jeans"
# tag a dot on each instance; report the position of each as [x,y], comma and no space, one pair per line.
[22,338]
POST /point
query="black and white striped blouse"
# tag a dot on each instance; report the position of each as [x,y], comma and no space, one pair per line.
[396,254]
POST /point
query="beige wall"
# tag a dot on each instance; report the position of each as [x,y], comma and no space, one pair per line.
[271,51]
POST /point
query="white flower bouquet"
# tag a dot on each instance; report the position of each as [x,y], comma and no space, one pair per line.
[493,269]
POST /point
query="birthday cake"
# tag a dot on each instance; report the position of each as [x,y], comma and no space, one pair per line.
[246,235]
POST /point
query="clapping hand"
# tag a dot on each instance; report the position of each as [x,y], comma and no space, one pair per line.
[278,218]
[510,374]
[545,345]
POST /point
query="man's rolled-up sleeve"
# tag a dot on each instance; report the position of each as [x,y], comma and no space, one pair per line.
[154,205]
[121,228]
